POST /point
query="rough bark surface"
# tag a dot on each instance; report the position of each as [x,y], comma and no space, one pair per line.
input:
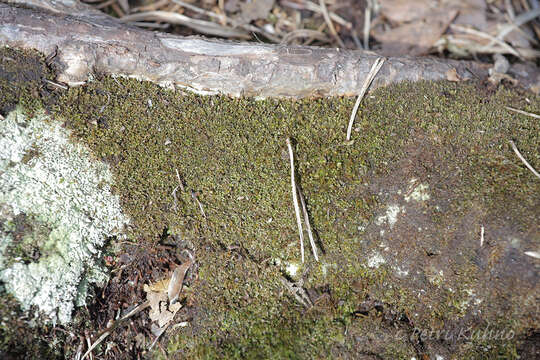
[89,43]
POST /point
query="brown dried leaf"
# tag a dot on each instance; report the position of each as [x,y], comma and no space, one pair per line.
[155,299]
[159,286]
[256,9]
[415,38]
[177,279]
[159,311]
[400,11]
[452,75]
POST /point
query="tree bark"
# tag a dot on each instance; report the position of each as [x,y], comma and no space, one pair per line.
[87,42]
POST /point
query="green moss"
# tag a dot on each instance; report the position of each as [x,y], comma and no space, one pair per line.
[231,154]
[22,73]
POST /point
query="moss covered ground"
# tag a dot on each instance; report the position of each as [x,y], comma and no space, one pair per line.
[172,151]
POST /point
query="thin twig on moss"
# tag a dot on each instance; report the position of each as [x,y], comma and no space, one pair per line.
[522,112]
[195,197]
[523,159]
[371,75]
[308,225]
[482,236]
[534,254]
[295,199]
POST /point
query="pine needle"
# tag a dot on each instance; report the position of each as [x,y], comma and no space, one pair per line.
[367,82]
[295,199]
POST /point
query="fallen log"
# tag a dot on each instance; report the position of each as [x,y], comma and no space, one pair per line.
[87,43]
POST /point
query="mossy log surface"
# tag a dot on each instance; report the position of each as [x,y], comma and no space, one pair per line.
[399,212]
[86,43]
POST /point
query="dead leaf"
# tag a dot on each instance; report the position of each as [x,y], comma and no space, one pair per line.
[160,286]
[452,75]
[177,279]
[417,37]
[256,9]
[400,11]
[160,311]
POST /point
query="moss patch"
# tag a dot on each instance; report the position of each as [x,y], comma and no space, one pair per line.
[448,140]
[398,214]
[22,75]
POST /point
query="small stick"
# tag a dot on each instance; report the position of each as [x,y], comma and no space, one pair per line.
[367,23]
[523,159]
[522,112]
[54,83]
[308,5]
[108,331]
[484,35]
[308,225]
[330,24]
[194,196]
[295,199]
[482,236]
[371,75]
[175,198]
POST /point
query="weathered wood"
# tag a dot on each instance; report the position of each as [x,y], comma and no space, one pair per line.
[89,42]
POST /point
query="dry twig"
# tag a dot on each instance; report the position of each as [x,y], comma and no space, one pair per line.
[308,5]
[372,73]
[522,112]
[117,323]
[523,159]
[202,26]
[308,225]
[295,199]
[330,24]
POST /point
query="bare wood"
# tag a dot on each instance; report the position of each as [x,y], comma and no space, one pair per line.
[90,42]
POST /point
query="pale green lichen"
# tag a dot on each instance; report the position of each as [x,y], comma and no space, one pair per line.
[56,185]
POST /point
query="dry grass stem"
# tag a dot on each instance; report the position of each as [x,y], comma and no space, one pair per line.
[304,33]
[482,236]
[202,26]
[523,159]
[487,48]
[201,11]
[161,332]
[517,22]
[522,112]
[195,197]
[367,23]
[372,73]
[308,225]
[55,84]
[534,254]
[308,5]
[224,19]
[330,24]
[298,292]
[295,199]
